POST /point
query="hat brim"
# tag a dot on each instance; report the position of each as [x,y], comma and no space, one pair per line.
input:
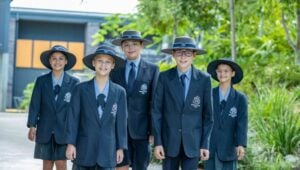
[88,60]
[119,41]
[171,50]
[212,66]
[45,56]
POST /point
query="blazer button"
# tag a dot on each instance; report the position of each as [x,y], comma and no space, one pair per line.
[179,130]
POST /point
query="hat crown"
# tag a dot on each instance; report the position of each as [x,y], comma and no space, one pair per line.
[131,34]
[184,42]
[59,48]
[103,49]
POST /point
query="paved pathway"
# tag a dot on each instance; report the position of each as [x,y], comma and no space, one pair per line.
[16,151]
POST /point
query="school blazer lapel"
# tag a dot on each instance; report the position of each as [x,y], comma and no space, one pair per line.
[229,104]
[65,86]
[49,89]
[91,99]
[192,88]
[109,103]
[176,88]
[141,72]
[216,104]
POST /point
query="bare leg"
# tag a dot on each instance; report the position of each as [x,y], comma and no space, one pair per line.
[126,167]
[61,165]
[48,164]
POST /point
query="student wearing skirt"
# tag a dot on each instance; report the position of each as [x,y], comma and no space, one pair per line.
[48,107]
[229,135]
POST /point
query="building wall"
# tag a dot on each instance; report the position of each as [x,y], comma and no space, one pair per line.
[11,52]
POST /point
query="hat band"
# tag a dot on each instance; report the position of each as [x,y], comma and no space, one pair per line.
[176,45]
[105,51]
[59,48]
[131,36]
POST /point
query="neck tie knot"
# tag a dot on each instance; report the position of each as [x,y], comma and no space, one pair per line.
[101,101]
[223,104]
[56,89]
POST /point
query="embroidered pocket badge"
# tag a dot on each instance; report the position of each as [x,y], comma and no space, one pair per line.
[233,112]
[67,97]
[196,102]
[114,109]
[143,89]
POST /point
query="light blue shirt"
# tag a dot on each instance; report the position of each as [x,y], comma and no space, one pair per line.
[221,96]
[97,92]
[128,67]
[187,79]
[57,82]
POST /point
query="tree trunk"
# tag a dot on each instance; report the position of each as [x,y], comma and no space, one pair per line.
[232,28]
[297,50]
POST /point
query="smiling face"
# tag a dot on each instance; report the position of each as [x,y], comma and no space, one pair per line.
[103,64]
[184,58]
[225,73]
[132,49]
[58,61]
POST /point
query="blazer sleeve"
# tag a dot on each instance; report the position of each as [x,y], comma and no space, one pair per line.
[35,104]
[242,124]
[154,83]
[73,117]
[207,115]
[157,111]
[121,125]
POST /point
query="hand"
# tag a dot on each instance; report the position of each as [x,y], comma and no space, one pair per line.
[120,155]
[151,139]
[71,152]
[159,152]
[240,152]
[32,133]
[204,154]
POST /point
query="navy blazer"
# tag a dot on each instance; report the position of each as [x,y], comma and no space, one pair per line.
[46,114]
[230,128]
[97,140]
[139,99]
[190,125]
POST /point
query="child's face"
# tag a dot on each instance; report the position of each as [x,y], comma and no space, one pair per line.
[224,73]
[184,58]
[132,49]
[103,64]
[58,61]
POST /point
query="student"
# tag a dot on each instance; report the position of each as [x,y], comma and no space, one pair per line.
[48,107]
[229,135]
[182,110]
[96,126]
[138,77]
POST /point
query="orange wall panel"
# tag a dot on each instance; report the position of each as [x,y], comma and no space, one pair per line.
[39,46]
[24,53]
[77,48]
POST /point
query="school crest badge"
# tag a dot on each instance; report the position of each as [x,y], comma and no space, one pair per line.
[143,89]
[67,97]
[233,112]
[196,102]
[114,109]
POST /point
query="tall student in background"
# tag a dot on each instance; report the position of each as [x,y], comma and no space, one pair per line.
[139,78]
[48,108]
[97,122]
[182,110]
[229,135]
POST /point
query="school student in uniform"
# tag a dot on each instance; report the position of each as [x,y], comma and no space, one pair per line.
[48,107]
[182,110]
[138,77]
[229,135]
[96,127]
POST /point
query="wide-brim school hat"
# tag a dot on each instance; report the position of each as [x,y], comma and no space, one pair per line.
[184,43]
[103,49]
[212,66]
[130,35]
[45,56]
